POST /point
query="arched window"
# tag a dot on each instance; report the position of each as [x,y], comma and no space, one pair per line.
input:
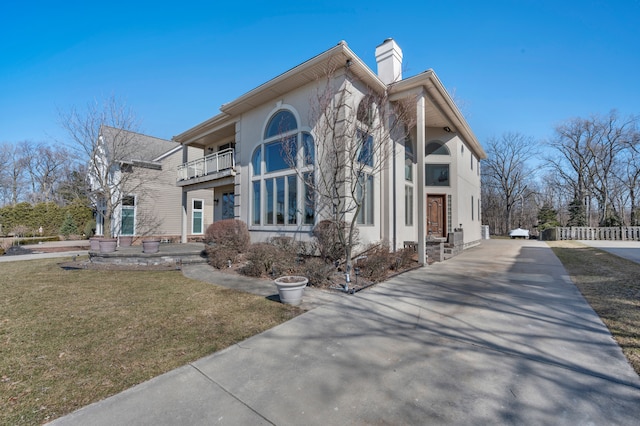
[282,122]
[256,161]
[366,110]
[279,196]
[436,148]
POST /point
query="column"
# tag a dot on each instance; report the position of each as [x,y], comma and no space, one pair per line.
[420,142]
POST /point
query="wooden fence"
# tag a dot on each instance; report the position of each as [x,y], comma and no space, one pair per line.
[620,233]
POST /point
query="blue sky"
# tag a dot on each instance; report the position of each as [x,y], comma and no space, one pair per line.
[513,66]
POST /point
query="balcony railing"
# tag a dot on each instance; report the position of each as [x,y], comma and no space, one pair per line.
[212,163]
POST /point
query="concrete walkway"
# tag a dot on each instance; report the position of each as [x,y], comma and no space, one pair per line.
[39,255]
[496,335]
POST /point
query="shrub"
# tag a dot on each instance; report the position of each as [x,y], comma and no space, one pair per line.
[404,258]
[317,271]
[219,256]
[328,242]
[251,270]
[260,257]
[232,234]
[377,262]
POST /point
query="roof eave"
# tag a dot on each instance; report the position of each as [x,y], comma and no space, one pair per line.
[430,82]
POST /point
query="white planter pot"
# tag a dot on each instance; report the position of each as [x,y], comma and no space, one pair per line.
[291,288]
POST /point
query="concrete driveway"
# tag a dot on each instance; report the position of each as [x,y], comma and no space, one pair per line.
[629,250]
[497,335]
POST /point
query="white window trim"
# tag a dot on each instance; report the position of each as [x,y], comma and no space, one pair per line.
[193,210]
[135,215]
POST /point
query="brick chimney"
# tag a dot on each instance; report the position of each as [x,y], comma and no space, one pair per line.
[389,59]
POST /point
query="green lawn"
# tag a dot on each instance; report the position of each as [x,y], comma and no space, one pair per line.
[72,337]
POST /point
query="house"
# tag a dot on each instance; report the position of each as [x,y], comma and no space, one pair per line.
[429,185]
[132,183]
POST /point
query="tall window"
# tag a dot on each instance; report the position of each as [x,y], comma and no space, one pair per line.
[409,158]
[128,216]
[472,207]
[275,182]
[197,216]
[364,193]
[228,205]
[408,205]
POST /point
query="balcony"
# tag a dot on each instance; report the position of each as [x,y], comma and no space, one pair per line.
[213,166]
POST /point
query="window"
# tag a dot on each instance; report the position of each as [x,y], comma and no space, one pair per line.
[197,216]
[282,122]
[128,216]
[436,148]
[275,182]
[437,174]
[309,199]
[292,197]
[279,154]
[472,207]
[364,193]
[308,150]
[228,205]
[365,148]
[472,162]
[256,161]
[408,205]
[256,203]
[409,158]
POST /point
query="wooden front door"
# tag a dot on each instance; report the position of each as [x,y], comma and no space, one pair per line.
[435,216]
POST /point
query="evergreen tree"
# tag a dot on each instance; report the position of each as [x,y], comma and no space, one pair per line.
[68,226]
[577,213]
[547,217]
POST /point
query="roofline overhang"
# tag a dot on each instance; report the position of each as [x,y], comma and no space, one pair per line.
[429,83]
[311,70]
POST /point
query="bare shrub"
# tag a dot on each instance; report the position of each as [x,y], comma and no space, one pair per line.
[317,271]
[327,237]
[377,263]
[404,258]
[219,256]
[232,234]
[261,258]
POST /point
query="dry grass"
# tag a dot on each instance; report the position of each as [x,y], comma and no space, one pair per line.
[611,285]
[69,338]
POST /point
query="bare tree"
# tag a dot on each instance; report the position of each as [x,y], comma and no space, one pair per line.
[104,134]
[590,161]
[46,167]
[354,129]
[506,172]
[12,179]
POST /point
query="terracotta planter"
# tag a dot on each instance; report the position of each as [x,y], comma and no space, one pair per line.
[108,245]
[126,240]
[94,243]
[150,246]
[291,288]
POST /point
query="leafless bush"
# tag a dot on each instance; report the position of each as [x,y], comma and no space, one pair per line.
[219,256]
[328,242]
[317,271]
[377,263]
[404,258]
[261,258]
[232,234]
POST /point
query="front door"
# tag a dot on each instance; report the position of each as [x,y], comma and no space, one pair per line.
[435,216]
